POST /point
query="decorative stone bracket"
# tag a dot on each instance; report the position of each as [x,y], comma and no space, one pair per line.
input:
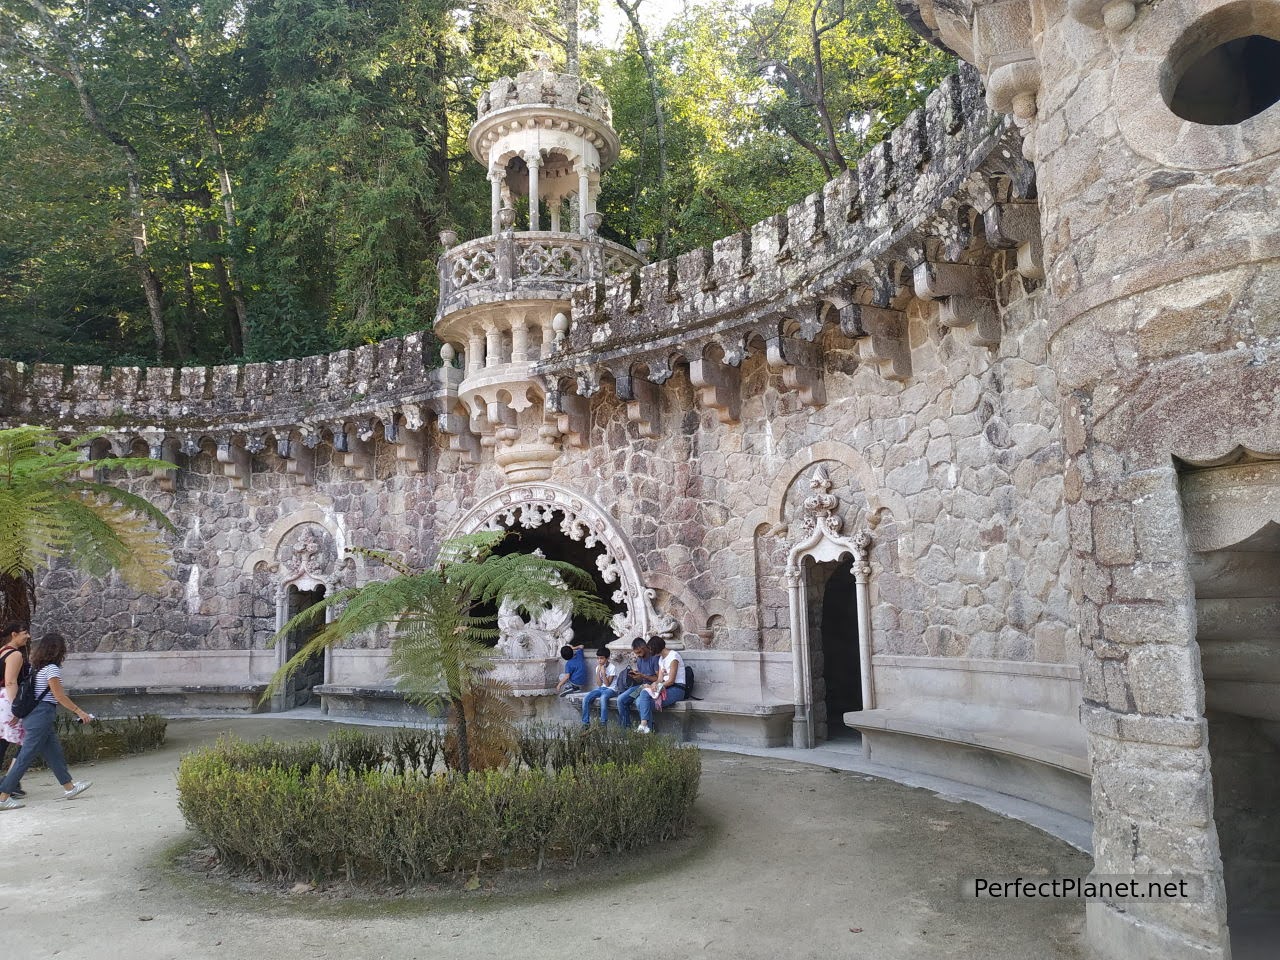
[882,338]
[801,366]
[965,295]
[1017,224]
[719,387]
[641,397]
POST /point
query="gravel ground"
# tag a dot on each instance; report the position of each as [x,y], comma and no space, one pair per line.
[789,861]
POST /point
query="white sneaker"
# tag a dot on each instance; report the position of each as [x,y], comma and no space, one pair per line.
[11,804]
[643,728]
[77,787]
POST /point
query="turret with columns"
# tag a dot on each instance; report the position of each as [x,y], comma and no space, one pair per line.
[545,138]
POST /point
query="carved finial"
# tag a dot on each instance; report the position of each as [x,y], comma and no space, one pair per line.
[820,508]
[541,60]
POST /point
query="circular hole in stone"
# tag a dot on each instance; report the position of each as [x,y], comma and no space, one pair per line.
[1229,83]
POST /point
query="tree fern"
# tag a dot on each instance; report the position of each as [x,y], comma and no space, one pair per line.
[439,652]
[49,511]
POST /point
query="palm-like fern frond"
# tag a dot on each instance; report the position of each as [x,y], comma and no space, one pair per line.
[439,654]
[48,510]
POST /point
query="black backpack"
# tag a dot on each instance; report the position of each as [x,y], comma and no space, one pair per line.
[26,700]
[688,683]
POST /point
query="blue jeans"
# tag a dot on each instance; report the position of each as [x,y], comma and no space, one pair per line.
[604,695]
[41,741]
[626,700]
[645,702]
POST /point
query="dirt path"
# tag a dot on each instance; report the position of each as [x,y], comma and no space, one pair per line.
[792,860]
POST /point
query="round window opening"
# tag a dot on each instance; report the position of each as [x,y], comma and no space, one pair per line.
[1229,84]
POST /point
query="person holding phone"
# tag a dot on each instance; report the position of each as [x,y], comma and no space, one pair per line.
[41,735]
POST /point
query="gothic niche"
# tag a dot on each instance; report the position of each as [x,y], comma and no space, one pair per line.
[306,569]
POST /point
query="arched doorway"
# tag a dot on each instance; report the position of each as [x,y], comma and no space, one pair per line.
[832,601]
[298,691]
[830,618]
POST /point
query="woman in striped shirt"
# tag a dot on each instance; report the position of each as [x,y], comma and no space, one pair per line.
[41,737]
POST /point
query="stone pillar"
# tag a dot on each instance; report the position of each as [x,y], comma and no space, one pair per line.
[585,205]
[475,352]
[495,200]
[519,340]
[493,346]
[554,209]
[802,732]
[535,168]
[1162,335]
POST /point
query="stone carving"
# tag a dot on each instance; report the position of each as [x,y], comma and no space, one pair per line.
[820,506]
[521,638]
[307,558]
[529,506]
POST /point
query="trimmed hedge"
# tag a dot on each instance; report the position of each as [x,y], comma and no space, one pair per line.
[100,739]
[364,806]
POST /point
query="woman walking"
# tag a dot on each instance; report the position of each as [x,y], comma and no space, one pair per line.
[14,669]
[41,737]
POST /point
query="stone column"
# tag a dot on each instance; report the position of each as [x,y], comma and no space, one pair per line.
[861,575]
[519,340]
[495,200]
[802,733]
[535,167]
[584,198]
[554,209]
[1162,335]
[475,352]
[493,345]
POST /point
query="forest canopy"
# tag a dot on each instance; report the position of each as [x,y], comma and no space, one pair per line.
[257,179]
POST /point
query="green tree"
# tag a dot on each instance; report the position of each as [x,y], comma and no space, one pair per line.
[440,650]
[54,507]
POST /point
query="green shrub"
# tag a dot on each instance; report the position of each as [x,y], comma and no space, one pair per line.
[363,805]
[101,739]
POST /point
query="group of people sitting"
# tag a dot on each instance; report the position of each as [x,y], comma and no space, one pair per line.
[651,678]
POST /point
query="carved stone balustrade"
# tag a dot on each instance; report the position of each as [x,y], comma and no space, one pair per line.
[534,265]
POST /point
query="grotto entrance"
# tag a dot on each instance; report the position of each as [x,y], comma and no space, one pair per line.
[299,690]
[549,538]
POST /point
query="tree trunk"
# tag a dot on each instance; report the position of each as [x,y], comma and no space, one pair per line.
[224,177]
[17,597]
[72,73]
[820,82]
[659,120]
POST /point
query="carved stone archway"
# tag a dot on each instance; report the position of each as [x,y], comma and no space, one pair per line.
[530,505]
[821,538]
[304,551]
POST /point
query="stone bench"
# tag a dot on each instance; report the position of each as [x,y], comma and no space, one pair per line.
[715,719]
[170,700]
[1008,726]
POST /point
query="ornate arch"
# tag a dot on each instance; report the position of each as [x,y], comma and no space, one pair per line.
[531,505]
[821,537]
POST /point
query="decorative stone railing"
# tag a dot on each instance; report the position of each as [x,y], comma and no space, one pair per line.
[542,264]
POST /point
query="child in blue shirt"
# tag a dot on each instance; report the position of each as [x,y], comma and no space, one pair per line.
[574,677]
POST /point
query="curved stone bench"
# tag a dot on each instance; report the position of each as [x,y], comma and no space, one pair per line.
[716,721]
[1007,726]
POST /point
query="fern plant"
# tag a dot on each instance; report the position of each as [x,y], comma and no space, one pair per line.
[50,510]
[440,653]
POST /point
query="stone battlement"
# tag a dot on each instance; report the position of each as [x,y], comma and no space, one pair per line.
[870,228]
[236,396]
[546,87]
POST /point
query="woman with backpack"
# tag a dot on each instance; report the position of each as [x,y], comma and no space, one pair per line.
[41,737]
[14,637]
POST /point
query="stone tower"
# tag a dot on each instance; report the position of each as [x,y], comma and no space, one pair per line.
[545,138]
[1155,135]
